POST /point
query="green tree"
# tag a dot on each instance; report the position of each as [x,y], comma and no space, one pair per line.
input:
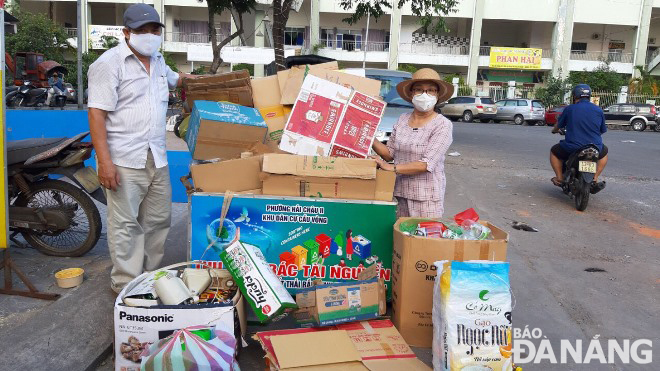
[239,7]
[601,78]
[553,92]
[645,83]
[430,12]
[408,68]
[244,66]
[72,67]
[169,60]
[39,34]
[450,79]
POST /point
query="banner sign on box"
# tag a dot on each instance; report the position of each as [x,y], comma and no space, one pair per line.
[515,58]
[303,239]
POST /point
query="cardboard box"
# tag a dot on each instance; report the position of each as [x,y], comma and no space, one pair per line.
[278,224]
[231,87]
[316,166]
[213,177]
[260,286]
[414,274]
[331,120]
[333,303]
[150,324]
[292,80]
[379,344]
[266,97]
[326,177]
[364,85]
[241,96]
[190,84]
[223,130]
[379,189]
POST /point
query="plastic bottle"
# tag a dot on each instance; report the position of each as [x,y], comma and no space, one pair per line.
[475,231]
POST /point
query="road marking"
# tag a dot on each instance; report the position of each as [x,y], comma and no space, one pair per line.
[645,231]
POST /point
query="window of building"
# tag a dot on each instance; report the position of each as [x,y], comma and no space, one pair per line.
[328,38]
[294,36]
[579,48]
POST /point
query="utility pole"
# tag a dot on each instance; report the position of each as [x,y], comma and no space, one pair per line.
[79,31]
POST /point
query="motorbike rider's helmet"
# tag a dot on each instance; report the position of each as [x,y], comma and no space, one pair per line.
[581,91]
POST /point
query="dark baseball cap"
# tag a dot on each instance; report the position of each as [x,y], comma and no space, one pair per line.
[137,15]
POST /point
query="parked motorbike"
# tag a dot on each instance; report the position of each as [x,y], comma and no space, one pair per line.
[579,171]
[54,216]
[28,95]
[70,92]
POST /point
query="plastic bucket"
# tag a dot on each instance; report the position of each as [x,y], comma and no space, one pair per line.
[70,277]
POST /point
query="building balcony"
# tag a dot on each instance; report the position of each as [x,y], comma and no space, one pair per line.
[354,51]
[434,54]
[618,61]
[71,32]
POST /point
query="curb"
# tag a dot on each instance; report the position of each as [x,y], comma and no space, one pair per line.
[96,362]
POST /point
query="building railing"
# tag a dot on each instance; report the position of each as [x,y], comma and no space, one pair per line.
[433,48]
[195,38]
[652,56]
[371,46]
[71,32]
[610,56]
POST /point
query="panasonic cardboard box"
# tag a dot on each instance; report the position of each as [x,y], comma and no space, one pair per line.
[136,328]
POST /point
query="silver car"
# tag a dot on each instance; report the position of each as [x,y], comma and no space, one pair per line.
[396,106]
[520,111]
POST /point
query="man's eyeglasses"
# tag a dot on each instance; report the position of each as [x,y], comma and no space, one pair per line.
[431,91]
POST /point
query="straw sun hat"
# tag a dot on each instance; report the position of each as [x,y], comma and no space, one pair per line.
[445,89]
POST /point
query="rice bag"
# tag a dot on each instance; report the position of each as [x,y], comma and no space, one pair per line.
[472,316]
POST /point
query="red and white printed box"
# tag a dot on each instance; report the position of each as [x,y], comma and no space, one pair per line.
[331,120]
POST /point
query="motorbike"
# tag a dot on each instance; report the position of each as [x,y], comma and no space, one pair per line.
[54,216]
[28,95]
[70,92]
[579,171]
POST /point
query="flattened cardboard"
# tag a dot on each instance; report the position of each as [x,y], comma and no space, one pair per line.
[315,166]
[223,130]
[239,175]
[331,120]
[266,97]
[242,96]
[295,79]
[266,92]
[364,85]
[407,364]
[379,189]
[413,274]
[377,339]
[311,350]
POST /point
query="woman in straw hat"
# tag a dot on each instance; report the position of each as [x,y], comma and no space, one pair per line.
[418,145]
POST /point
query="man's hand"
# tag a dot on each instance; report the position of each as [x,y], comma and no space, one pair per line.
[555,129]
[108,176]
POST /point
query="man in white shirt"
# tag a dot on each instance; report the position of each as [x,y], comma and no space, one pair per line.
[128,96]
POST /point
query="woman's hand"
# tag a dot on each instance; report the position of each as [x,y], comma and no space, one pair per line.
[384,165]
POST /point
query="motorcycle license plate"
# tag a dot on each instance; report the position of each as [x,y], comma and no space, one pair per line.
[89,179]
[587,167]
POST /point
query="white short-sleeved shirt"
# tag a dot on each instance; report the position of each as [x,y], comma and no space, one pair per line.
[136,102]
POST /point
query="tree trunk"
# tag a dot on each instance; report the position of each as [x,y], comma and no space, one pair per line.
[217,59]
[281,9]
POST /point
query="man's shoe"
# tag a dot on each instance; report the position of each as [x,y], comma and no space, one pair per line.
[597,187]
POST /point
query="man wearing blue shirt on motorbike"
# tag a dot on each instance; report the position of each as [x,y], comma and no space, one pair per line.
[584,123]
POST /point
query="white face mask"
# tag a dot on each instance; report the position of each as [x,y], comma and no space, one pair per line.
[146,44]
[424,102]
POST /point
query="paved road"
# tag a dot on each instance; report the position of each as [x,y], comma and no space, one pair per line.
[503,172]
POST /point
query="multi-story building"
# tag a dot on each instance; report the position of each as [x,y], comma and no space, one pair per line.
[573,34]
